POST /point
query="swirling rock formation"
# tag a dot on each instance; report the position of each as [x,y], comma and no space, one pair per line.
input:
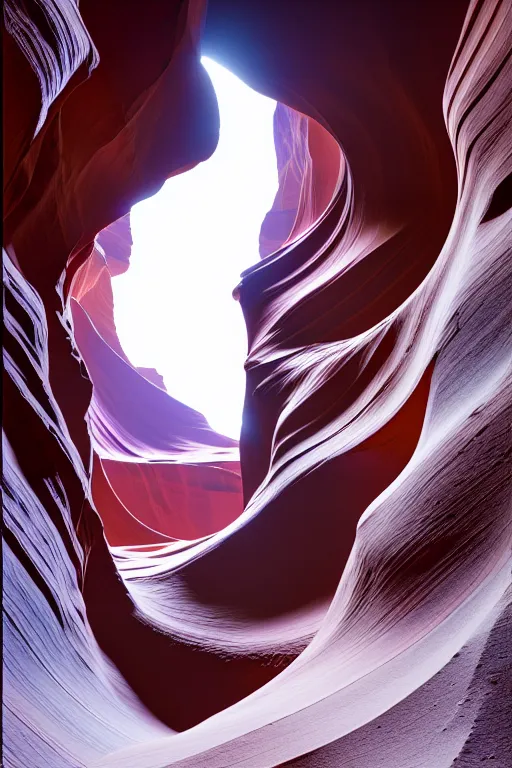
[335,590]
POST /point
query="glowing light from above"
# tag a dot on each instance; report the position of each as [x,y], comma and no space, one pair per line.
[173,308]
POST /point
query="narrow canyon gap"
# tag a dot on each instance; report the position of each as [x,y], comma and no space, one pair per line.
[173,308]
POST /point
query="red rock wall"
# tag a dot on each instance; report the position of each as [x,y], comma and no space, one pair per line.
[334,590]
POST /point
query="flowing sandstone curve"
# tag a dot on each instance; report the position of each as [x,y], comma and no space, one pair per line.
[335,590]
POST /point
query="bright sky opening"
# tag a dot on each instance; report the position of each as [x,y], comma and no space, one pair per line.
[173,308]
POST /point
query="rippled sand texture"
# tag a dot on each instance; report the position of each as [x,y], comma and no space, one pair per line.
[332,592]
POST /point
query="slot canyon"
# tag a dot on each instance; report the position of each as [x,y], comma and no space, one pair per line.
[332,589]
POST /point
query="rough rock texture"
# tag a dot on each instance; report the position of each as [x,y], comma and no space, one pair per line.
[334,591]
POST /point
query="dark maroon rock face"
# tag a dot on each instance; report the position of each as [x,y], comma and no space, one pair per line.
[333,590]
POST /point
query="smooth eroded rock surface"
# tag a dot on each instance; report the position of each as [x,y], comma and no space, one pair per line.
[335,589]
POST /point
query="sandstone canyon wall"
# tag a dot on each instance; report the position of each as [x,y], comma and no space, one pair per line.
[334,590]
